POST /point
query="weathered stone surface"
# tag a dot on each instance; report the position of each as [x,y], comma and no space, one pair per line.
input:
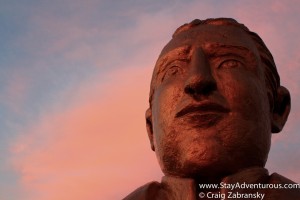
[215,100]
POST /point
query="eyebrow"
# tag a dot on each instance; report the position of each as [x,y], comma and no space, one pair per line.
[180,52]
[215,50]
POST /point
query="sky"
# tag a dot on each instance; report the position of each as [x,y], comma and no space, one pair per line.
[74,86]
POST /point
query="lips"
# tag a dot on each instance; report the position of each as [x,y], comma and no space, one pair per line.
[202,115]
[202,109]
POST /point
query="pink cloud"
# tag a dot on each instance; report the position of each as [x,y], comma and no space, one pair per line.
[94,148]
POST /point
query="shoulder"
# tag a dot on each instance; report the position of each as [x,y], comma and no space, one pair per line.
[277,178]
[146,192]
[287,189]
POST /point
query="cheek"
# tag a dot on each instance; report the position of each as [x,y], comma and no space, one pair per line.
[245,94]
[166,98]
[249,118]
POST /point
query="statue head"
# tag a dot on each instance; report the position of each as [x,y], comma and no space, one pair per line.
[215,100]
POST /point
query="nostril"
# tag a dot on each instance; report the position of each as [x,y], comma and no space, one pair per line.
[189,90]
[209,88]
[200,88]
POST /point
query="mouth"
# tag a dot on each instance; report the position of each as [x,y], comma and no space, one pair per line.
[204,114]
[204,108]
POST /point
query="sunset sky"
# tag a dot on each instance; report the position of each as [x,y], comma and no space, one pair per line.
[75,77]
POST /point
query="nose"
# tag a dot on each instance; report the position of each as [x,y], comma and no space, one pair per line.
[200,81]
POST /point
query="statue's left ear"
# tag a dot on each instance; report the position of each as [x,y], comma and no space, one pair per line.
[282,107]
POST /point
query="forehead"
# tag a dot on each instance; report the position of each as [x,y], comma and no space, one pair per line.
[211,35]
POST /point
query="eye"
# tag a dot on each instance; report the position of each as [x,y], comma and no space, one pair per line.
[172,71]
[228,64]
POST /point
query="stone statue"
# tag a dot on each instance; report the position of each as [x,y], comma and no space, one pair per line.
[215,99]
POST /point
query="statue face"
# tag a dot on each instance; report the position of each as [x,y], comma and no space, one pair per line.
[210,110]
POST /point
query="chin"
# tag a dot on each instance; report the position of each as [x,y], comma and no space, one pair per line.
[193,165]
[205,170]
[210,166]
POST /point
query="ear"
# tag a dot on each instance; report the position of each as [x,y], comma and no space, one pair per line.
[282,107]
[150,127]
